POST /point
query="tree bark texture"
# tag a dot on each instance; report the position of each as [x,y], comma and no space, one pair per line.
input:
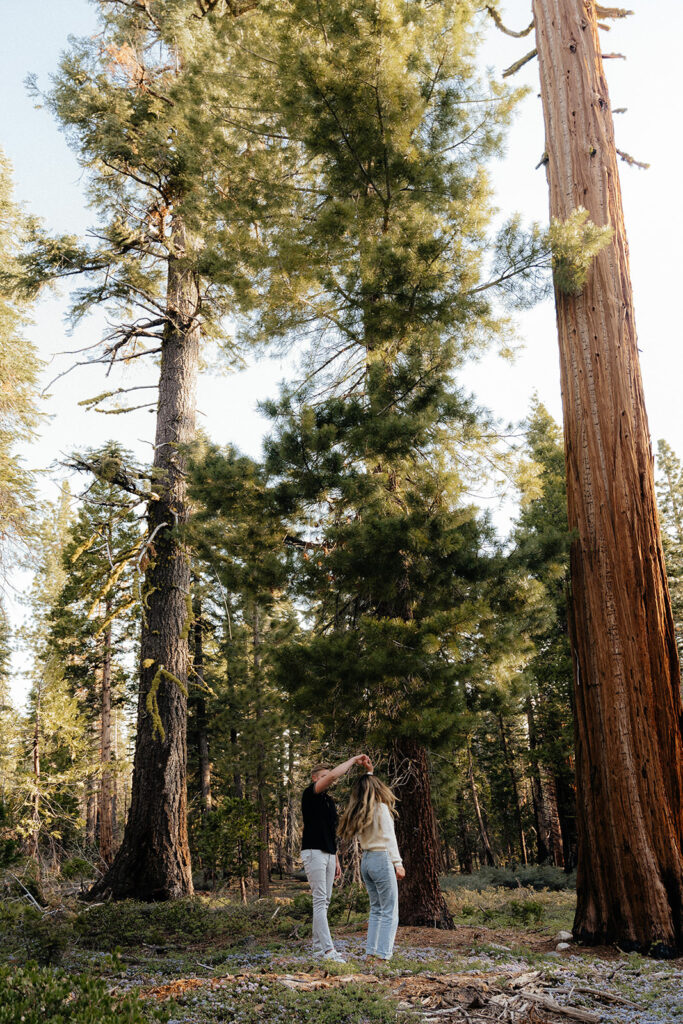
[420,899]
[153,861]
[106,836]
[629,722]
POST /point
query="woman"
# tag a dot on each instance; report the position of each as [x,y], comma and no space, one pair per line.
[370,816]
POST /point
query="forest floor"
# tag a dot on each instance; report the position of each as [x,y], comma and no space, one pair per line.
[212,959]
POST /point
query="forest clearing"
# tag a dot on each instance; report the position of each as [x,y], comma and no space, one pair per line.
[340,639]
[214,959]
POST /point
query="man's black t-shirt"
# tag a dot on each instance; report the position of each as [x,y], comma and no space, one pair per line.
[320,821]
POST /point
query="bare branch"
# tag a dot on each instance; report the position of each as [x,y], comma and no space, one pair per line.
[514,68]
[612,12]
[631,161]
[508,31]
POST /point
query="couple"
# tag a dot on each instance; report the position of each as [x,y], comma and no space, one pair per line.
[369,815]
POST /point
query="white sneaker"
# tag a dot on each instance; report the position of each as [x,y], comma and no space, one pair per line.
[332,954]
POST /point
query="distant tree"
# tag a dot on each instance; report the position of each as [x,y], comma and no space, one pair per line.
[629,717]
[541,537]
[57,753]
[95,617]
[670,504]
[19,372]
[238,532]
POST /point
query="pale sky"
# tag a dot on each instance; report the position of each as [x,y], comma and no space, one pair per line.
[48,181]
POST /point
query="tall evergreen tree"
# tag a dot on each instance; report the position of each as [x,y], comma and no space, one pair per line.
[629,717]
[167,177]
[380,264]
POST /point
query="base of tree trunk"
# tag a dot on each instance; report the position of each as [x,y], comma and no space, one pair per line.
[131,877]
[420,900]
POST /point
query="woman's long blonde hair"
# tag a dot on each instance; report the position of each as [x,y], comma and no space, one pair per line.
[367,792]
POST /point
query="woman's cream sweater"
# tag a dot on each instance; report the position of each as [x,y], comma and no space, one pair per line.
[380,834]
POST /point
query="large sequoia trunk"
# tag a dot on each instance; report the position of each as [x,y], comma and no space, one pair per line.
[153,862]
[629,723]
[420,899]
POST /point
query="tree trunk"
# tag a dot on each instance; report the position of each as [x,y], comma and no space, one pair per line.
[420,899]
[105,795]
[200,710]
[264,845]
[35,810]
[489,856]
[291,805]
[153,861]
[629,721]
[463,846]
[551,817]
[515,788]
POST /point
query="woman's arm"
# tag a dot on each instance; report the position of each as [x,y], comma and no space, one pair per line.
[390,833]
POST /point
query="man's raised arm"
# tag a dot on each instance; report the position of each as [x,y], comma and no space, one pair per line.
[324,782]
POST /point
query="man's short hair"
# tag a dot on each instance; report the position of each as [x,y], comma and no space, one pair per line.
[323,766]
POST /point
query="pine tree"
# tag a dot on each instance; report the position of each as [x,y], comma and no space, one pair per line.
[380,265]
[541,537]
[19,370]
[629,736]
[57,753]
[146,104]
[238,531]
[95,617]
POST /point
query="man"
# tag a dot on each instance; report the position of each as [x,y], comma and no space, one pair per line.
[319,847]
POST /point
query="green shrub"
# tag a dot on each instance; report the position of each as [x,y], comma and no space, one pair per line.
[530,876]
[524,911]
[38,995]
[35,934]
[77,867]
[178,922]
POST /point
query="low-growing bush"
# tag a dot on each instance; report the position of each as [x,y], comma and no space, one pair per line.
[77,867]
[529,876]
[37,995]
[35,934]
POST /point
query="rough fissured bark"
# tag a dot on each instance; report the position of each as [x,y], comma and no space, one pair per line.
[629,723]
[153,861]
[420,900]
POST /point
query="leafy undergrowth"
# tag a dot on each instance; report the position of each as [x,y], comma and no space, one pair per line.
[211,959]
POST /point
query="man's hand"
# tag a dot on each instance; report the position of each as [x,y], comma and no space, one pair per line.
[400,871]
[337,870]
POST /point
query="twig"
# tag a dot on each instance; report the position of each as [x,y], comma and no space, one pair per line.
[631,161]
[514,68]
[508,31]
[30,895]
[612,12]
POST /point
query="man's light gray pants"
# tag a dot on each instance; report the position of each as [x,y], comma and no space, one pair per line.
[319,868]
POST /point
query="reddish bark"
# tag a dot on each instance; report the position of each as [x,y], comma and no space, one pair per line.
[420,900]
[629,719]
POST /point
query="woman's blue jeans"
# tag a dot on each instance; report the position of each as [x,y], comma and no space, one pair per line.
[380,881]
